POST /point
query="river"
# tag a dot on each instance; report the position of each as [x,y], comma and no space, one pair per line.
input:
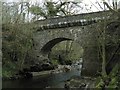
[51,80]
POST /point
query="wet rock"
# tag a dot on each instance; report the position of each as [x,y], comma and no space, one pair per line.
[28,75]
[47,66]
[25,74]
[26,69]
[66,86]
[83,85]
[12,78]
[66,68]
[35,68]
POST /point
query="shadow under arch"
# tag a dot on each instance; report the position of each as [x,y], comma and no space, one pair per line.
[49,45]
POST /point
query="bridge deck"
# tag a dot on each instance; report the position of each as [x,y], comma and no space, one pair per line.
[73,20]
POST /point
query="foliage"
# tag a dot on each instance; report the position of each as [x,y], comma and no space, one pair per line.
[113,83]
[67,51]
[9,69]
[52,9]
[16,40]
[54,62]
[106,37]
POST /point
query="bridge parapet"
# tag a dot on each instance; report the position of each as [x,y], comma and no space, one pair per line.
[74,20]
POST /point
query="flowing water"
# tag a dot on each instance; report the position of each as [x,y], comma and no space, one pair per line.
[51,80]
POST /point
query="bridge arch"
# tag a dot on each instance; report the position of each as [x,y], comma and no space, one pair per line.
[49,45]
[62,50]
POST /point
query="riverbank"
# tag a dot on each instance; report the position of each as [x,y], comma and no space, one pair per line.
[81,82]
[77,82]
[42,81]
[44,73]
[60,69]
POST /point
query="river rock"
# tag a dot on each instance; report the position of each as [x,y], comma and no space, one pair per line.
[66,68]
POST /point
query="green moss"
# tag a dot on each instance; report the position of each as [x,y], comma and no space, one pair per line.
[55,62]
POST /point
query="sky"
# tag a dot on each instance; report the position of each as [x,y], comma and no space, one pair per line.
[89,4]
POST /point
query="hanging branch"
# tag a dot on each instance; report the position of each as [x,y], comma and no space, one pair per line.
[113,10]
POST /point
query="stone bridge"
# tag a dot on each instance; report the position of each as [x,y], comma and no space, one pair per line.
[81,29]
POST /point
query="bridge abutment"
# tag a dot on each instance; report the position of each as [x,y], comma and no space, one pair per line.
[91,62]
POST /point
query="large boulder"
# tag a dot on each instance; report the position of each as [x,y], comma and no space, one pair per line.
[47,66]
[35,68]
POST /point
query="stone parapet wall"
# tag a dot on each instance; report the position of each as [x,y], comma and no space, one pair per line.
[74,20]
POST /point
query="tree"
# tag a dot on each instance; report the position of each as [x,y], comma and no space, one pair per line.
[105,38]
[114,10]
[53,9]
[16,37]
